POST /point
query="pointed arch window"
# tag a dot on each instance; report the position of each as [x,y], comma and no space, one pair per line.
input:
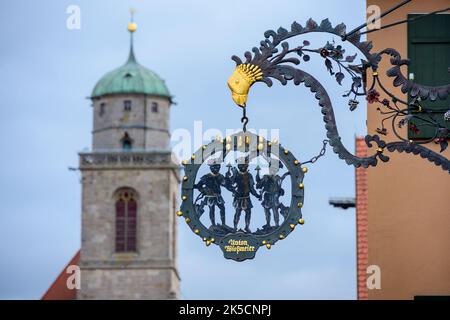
[126,220]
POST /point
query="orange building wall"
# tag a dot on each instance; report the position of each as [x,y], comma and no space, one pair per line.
[408,197]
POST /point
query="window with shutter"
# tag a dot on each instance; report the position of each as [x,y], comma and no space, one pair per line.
[429,54]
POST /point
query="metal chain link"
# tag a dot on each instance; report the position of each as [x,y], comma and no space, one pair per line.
[321,153]
[244,118]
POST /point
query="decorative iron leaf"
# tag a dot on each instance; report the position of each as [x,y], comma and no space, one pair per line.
[291,60]
[329,46]
[382,131]
[339,77]
[237,60]
[311,24]
[282,31]
[393,72]
[296,27]
[353,104]
[329,66]
[444,144]
[248,57]
[398,81]
[340,29]
[350,58]
[270,33]
[325,25]
[366,45]
[357,82]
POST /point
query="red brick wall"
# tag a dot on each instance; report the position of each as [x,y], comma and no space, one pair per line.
[361,221]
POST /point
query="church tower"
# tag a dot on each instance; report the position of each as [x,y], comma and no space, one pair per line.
[129,189]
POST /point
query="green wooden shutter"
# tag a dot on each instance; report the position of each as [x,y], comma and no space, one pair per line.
[429,54]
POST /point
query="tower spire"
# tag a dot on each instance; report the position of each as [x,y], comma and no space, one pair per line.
[132,27]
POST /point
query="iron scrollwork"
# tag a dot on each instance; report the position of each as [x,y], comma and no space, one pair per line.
[241,188]
[267,62]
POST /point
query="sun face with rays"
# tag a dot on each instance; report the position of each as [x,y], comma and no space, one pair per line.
[240,81]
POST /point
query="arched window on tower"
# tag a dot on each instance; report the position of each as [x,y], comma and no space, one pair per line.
[127,142]
[126,220]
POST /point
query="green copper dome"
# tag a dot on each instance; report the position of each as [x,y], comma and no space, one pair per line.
[131,78]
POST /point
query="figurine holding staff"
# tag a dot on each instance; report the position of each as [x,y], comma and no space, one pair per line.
[242,184]
[271,190]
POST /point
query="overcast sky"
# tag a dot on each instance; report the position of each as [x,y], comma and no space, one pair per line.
[47,73]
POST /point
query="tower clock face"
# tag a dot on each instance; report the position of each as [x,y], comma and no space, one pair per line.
[241,193]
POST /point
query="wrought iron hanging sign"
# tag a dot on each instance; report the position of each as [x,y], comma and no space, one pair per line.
[228,183]
[204,194]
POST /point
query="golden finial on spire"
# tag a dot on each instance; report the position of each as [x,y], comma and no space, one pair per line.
[132,26]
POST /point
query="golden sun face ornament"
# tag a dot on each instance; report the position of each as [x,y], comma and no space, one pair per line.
[240,81]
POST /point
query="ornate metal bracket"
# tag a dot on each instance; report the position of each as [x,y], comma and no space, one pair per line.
[266,62]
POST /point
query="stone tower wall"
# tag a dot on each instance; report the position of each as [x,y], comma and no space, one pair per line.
[148,129]
[150,272]
[110,275]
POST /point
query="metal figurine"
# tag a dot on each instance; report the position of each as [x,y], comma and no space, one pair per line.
[210,190]
[271,191]
[242,184]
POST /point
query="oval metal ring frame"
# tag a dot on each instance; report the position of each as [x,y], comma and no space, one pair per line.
[240,245]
